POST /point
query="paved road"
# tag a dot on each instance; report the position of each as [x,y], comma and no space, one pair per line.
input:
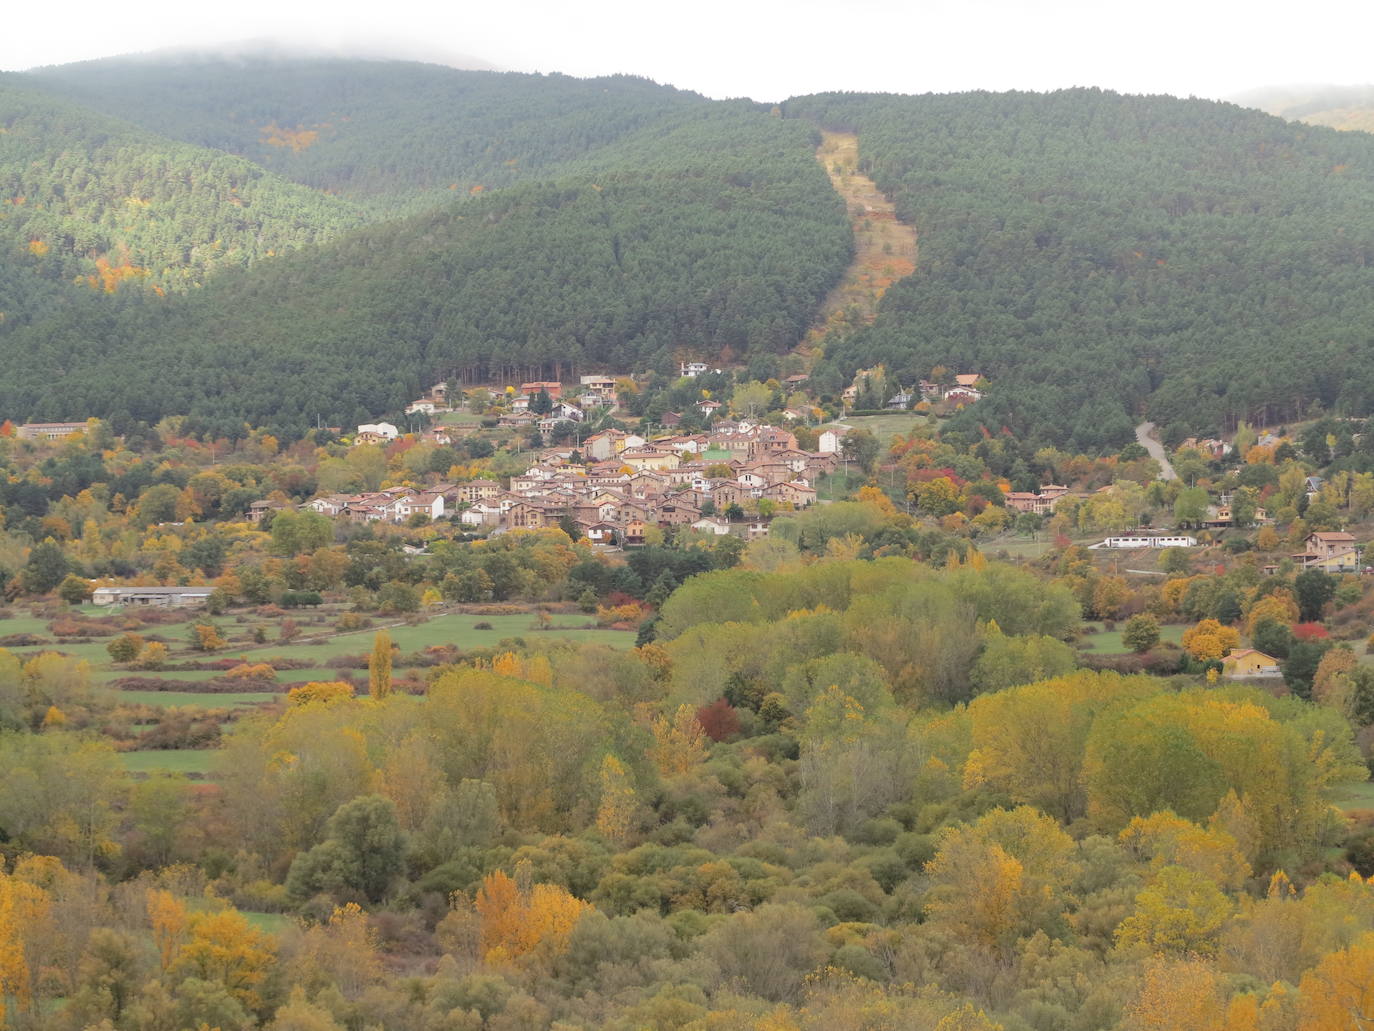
[1144,435]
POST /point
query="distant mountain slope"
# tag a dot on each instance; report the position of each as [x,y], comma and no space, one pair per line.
[87,198]
[1098,256]
[713,231]
[395,134]
[1338,107]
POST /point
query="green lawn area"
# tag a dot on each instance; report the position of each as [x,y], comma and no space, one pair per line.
[24,625]
[185,760]
[272,923]
[450,628]
[885,427]
[93,651]
[838,486]
[1108,642]
[1017,546]
[457,419]
[1354,796]
[195,699]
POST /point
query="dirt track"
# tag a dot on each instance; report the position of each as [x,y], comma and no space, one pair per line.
[884,248]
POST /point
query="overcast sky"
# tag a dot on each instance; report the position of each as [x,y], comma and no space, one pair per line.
[767,49]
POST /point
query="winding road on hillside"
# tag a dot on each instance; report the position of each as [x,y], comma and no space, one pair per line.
[1144,435]
[884,248]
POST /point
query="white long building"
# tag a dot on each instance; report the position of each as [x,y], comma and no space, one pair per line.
[1137,542]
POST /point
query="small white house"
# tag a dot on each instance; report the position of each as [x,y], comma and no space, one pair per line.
[828,443]
[719,527]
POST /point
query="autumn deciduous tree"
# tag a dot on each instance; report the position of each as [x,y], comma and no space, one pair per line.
[168,919]
[679,743]
[1277,606]
[206,637]
[1000,877]
[719,720]
[321,692]
[1031,739]
[1163,839]
[379,666]
[21,904]
[153,655]
[615,816]
[1338,994]
[225,949]
[341,952]
[515,921]
[1181,912]
[1177,994]
[125,647]
[1210,640]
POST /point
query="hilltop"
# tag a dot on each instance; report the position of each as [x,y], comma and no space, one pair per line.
[1338,107]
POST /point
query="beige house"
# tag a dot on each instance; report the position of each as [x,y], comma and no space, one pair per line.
[1247,662]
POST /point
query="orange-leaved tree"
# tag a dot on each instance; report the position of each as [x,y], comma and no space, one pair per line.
[516,921]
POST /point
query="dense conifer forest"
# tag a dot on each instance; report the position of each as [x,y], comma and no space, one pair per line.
[1100,255]
[315,223]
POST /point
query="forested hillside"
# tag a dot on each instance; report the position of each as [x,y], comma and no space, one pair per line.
[91,200]
[716,233]
[395,134]
[1099,256]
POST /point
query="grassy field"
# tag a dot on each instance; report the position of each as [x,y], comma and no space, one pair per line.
[272,923]
[838,486]
[185,760]
[1354,796]
[455,628]
[1108,642]
[457,419]
[1016,546]
[886,427]
[195,699]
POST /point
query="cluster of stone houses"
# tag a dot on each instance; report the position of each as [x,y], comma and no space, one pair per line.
[963,390]
[392,505]
[1039,502]
[628,484]
[625,484]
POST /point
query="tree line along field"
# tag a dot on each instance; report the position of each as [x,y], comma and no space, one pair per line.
[312,637]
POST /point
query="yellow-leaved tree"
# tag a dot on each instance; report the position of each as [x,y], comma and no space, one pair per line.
[679,743]
[515,921]
[1338,994]
[225,949]
[379,666]
[615,816]
[997,879]
[22,906]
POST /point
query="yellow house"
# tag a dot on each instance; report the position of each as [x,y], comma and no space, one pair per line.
[640,459]
[1247,662]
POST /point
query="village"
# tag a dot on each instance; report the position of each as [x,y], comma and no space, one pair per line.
[611,485]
